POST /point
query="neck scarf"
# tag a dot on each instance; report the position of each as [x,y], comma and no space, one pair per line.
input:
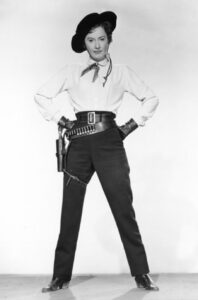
[91,67]
[96,67]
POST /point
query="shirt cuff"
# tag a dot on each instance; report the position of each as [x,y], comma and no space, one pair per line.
[139,120]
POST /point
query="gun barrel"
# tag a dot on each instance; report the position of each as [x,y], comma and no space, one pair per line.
[60,154]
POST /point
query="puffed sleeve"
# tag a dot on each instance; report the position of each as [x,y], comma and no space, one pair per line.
[149,101]
[45,97]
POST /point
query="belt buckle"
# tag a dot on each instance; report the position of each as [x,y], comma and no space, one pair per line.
[91,117]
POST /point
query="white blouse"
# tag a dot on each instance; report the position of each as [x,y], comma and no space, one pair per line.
[86,95]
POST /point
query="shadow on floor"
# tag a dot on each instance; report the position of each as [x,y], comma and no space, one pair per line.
[135,293]
[81,279]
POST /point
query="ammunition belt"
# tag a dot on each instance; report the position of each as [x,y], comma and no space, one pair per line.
[80,130]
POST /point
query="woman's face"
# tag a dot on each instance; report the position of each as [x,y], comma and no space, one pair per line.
[96,43]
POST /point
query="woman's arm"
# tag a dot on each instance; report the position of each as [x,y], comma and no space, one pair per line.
[45,97]
[149,101]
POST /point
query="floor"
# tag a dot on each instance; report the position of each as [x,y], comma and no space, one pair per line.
[100,287]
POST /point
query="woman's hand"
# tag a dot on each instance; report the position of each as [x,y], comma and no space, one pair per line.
[66,123]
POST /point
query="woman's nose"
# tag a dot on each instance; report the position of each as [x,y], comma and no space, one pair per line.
[97,45]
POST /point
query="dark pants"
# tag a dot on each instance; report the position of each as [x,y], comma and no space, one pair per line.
[104,153]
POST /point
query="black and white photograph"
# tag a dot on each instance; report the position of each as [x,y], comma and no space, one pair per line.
[99,150]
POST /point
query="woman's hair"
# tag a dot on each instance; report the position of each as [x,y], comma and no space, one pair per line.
[107,28]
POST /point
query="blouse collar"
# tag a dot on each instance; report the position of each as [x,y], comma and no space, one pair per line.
[102,63]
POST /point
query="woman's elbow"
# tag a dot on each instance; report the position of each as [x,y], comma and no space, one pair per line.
[36,98]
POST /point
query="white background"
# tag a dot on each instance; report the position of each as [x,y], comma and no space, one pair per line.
[157,38]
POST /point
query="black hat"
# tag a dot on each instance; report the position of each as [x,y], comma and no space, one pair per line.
[86,24]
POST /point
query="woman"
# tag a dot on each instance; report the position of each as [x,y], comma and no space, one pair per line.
[96,143]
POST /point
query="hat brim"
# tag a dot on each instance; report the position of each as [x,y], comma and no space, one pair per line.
[86,24]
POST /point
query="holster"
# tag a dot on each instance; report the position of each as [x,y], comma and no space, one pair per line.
[60,150]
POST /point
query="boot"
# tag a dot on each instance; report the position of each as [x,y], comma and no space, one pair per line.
[145,281]
[56,284]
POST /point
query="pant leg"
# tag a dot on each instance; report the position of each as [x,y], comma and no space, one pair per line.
[112,167]
[78,164]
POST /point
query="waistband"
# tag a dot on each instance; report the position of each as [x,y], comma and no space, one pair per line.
[93,117]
